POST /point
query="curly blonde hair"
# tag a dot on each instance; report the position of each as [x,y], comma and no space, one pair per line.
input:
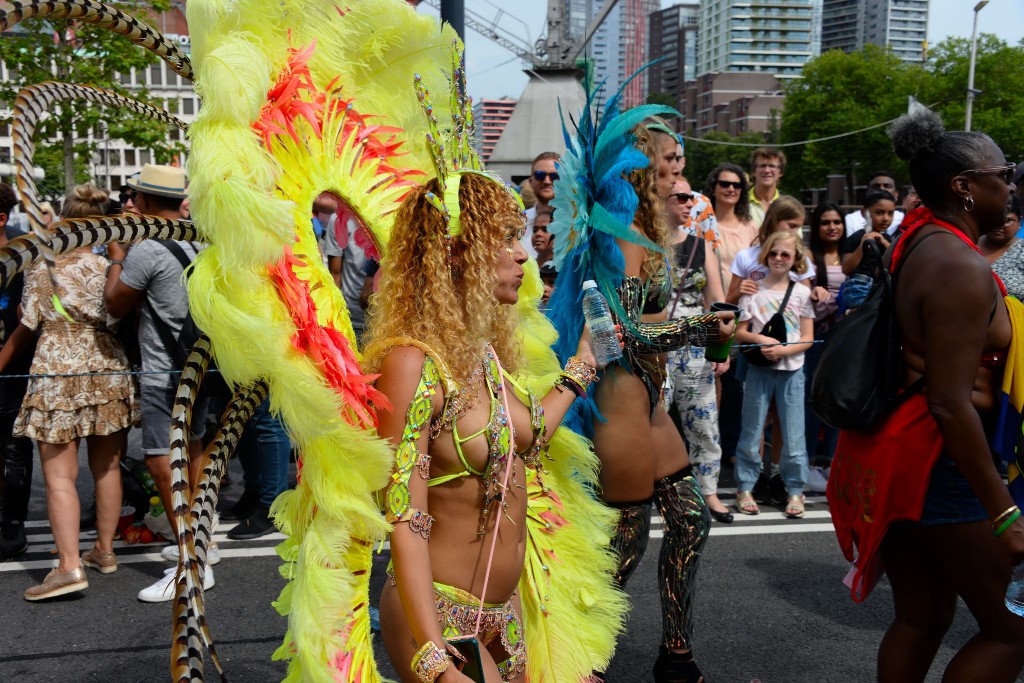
[448,305]
[650,210]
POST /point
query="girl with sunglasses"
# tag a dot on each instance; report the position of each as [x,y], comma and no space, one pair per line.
[783,254]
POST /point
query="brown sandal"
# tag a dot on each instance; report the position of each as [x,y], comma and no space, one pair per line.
[745,503]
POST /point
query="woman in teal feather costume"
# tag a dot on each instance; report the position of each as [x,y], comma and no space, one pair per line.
[613,181]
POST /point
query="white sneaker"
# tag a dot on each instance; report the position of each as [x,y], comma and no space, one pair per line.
[816,480]
[170,553]
[163,590]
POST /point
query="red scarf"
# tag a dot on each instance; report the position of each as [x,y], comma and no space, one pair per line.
[881,476]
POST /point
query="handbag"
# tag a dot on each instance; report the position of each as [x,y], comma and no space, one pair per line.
[774,328]
[859,378]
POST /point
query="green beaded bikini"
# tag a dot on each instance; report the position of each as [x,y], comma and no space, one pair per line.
[499,434]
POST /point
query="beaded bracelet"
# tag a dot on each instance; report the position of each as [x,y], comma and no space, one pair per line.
[429,662]
[1007,524]
[580,371]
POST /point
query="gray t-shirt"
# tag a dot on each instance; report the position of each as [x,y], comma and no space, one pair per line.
[353,266]
[152,269]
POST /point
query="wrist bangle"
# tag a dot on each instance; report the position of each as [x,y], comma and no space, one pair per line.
[429,662]
[1007,524]
[580,371]
[1002,516]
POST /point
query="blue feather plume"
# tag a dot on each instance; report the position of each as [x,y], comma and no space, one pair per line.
[594,206]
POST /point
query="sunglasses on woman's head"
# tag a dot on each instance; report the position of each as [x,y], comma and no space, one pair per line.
[540,176]
[1006,172]
[734,184]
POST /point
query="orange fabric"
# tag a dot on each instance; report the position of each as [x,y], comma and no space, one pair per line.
[878,478]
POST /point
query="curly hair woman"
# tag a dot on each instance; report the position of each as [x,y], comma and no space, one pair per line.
[643,457]
[443,336]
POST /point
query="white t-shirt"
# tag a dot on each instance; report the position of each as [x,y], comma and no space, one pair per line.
[856,221]
[746,266]
[759,308]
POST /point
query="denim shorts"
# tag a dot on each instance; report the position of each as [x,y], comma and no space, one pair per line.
[156,403]
[950,499]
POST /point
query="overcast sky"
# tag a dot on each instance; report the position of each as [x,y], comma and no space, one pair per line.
[494,72]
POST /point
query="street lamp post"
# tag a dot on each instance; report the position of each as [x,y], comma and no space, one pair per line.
[970,73]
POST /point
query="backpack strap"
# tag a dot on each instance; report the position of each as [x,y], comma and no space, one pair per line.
[163,329]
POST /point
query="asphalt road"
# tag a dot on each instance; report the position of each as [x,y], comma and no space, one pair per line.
[771,608]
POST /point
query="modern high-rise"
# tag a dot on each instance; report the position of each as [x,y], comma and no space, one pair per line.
[672,49]
[491,117]
[619,47]
[755,36]
[899,25]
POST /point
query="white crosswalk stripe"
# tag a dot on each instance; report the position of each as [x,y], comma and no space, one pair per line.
[41,551]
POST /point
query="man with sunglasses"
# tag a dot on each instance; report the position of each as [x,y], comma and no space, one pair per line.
[543,174]
[880,180]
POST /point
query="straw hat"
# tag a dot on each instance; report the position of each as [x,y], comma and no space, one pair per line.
[162,181]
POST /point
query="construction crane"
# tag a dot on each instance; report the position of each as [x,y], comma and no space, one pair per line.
[557,50]
[554,83]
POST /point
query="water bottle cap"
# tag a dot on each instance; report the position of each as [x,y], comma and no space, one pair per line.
[589,284]
[155,500]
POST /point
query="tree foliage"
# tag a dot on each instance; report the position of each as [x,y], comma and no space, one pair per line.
[74,52]
[840,92]
[998,75]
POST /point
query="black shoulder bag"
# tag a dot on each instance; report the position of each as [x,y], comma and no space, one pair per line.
[859,378]
[774,328]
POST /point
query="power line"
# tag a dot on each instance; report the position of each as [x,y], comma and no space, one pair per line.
[729,143]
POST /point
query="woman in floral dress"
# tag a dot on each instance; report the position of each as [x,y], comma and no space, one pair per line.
[58,411]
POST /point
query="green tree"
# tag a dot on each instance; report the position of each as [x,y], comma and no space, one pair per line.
[999,105]
[839,93]
[74,52]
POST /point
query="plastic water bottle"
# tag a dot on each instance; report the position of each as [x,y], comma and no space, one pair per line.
[1015,591]
[603,338]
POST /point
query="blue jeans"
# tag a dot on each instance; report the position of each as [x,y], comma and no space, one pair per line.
[787,388]
[264,451]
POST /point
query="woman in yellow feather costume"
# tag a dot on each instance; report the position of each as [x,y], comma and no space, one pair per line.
[301,97]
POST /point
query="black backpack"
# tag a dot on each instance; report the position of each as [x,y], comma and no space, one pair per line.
[859,378]
[178,347]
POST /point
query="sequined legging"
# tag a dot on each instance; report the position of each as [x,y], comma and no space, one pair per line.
[687,522]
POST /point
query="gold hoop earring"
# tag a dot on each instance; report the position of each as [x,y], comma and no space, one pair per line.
[968,199]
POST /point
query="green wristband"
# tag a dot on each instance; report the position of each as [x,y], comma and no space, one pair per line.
[1006,525]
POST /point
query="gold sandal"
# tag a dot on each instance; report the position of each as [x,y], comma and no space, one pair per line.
[745,503]
[795,507]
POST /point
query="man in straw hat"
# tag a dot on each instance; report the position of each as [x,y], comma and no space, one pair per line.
[151,277]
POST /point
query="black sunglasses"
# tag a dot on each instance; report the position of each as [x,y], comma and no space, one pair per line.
[684,196]
[540,176]
[734,184]
[1005,171]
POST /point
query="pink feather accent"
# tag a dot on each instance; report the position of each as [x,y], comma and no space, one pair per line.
[328,348]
